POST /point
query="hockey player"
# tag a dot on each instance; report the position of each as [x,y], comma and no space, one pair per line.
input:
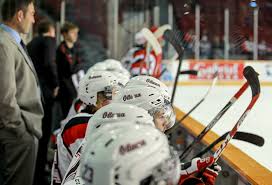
[137,155]
[152,100]
[113,116]
[144,80]
[111,65]
[134,155]
[139,42]
[96,90]
[140,61]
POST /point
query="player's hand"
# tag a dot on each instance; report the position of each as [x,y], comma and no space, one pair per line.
[195,166]
[210,174]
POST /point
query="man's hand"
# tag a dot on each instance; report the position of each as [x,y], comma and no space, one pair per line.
[56,92]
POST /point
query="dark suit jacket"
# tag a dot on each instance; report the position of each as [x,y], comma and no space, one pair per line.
[20,101]
[42,51]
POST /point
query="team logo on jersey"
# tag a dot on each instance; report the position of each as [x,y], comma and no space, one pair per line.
[152,82]
[111,115]
[130,147]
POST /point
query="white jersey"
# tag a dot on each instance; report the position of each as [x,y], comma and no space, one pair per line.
[75,108]
[141,65]
[72,176]
[68,141]
[128,59]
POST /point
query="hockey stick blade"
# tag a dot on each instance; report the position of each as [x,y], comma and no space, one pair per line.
[160,31]
[242,136]
[186,72]
[189,72]
[174,38]
[149,36]
[151,41]
[216,118]
[252,76]
[215,77]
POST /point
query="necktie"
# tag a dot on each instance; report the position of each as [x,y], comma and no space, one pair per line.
[24,47]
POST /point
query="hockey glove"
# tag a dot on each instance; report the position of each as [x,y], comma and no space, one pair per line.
[210,174]
[195,166]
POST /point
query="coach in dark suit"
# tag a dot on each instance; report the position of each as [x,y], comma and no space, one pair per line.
[42,50]
[21,110]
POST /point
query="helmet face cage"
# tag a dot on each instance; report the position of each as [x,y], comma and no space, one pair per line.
[108,92]
[111,90]
[166,173]
[165,112]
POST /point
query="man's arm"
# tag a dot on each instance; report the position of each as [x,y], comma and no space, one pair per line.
[9,108]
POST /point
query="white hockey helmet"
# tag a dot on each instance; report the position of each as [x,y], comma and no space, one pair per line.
[139,38]
[113,65]
[114,115]
[150,81]
[122,79]
[152,100]
[100,66]
[131,155]
[94,82]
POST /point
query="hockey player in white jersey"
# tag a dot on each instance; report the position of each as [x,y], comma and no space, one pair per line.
[111,65]
[144,80]
[152,100]
[107,118]
[96,90]
[131,155]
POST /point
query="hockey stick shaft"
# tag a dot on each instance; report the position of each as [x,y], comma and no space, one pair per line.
[242,136]
[254,83]
[231,134]
[214,121]
[192,109]
[176,80]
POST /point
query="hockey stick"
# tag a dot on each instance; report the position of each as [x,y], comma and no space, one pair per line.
[185,72]
[160,31]
[188,72]
[252,76]
[215,119]
[174,38]
[151,41]
[215,77]
[242,136]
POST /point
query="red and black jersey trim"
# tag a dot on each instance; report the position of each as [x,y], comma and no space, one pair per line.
[73,130]
[74,168]
[77,105]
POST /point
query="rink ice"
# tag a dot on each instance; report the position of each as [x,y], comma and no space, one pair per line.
[258,121]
